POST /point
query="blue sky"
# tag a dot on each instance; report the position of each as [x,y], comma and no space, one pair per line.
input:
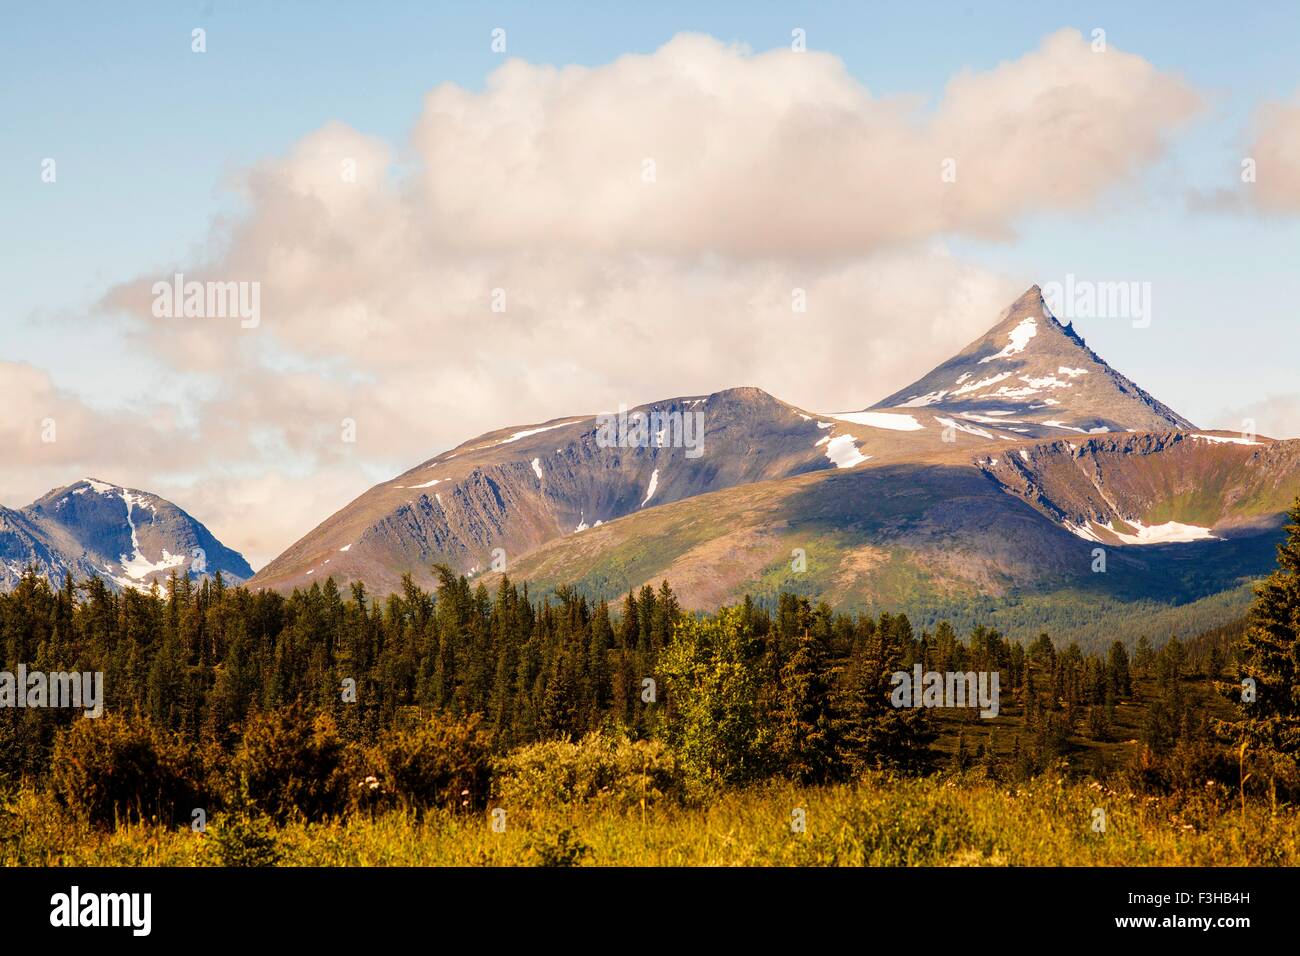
[147,136]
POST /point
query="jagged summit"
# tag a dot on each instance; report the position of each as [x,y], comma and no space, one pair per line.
[1033,376]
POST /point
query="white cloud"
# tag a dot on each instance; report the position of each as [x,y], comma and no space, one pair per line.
[51,437]
[1276,151]
[779,153]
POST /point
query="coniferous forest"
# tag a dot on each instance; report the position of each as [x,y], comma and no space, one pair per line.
[270,715]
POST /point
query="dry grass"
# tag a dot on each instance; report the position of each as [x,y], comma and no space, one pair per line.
[941,821]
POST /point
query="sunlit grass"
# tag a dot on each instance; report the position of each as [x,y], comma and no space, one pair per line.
[940,821]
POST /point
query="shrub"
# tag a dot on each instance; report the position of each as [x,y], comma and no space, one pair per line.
[559,848]
[241,840]
[1188,767]
[599,769]
[443,762]
[119,769]
[290,764]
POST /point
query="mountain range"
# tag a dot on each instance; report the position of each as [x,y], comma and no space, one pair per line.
[987,484]
[987,488]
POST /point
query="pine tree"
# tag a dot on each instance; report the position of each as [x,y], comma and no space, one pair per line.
[875,734]
[664,617]
[559,714]
[1269,652]
[646,615]
[1118,673]
[599,671]
[629,626]
[1143,655]
[807,739]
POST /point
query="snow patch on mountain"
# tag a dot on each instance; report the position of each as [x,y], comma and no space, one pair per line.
[1019,338]
[1170,532]
[898,423]
[982,383]
[1060,424]
[137,566]
[535,431]
[1228,441]
[930,398]
[654,485]
[959,426]
[842,450]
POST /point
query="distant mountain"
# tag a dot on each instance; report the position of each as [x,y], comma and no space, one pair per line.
[127,537]
[991,478]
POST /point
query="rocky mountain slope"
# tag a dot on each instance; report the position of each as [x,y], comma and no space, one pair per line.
[127,537]
[1178,518]
[1027,518]
[517,488]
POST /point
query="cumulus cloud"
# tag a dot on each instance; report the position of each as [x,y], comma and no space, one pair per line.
[50,435]
[1276,152]
[571,238]
[261,514]
[53,437]
[780,153]
[1270,169]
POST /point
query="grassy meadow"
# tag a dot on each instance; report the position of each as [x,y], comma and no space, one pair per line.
[946,820]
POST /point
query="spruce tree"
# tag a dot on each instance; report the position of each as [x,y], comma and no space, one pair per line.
[1269,654]
[807,740]
[876,734]
[1117,665]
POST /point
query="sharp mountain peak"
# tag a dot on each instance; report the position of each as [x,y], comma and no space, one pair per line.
[1030,371]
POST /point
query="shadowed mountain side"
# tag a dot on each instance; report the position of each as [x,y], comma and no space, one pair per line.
[874,535]
[946,535]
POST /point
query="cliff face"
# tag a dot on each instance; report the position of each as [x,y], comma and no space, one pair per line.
[1120,489]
